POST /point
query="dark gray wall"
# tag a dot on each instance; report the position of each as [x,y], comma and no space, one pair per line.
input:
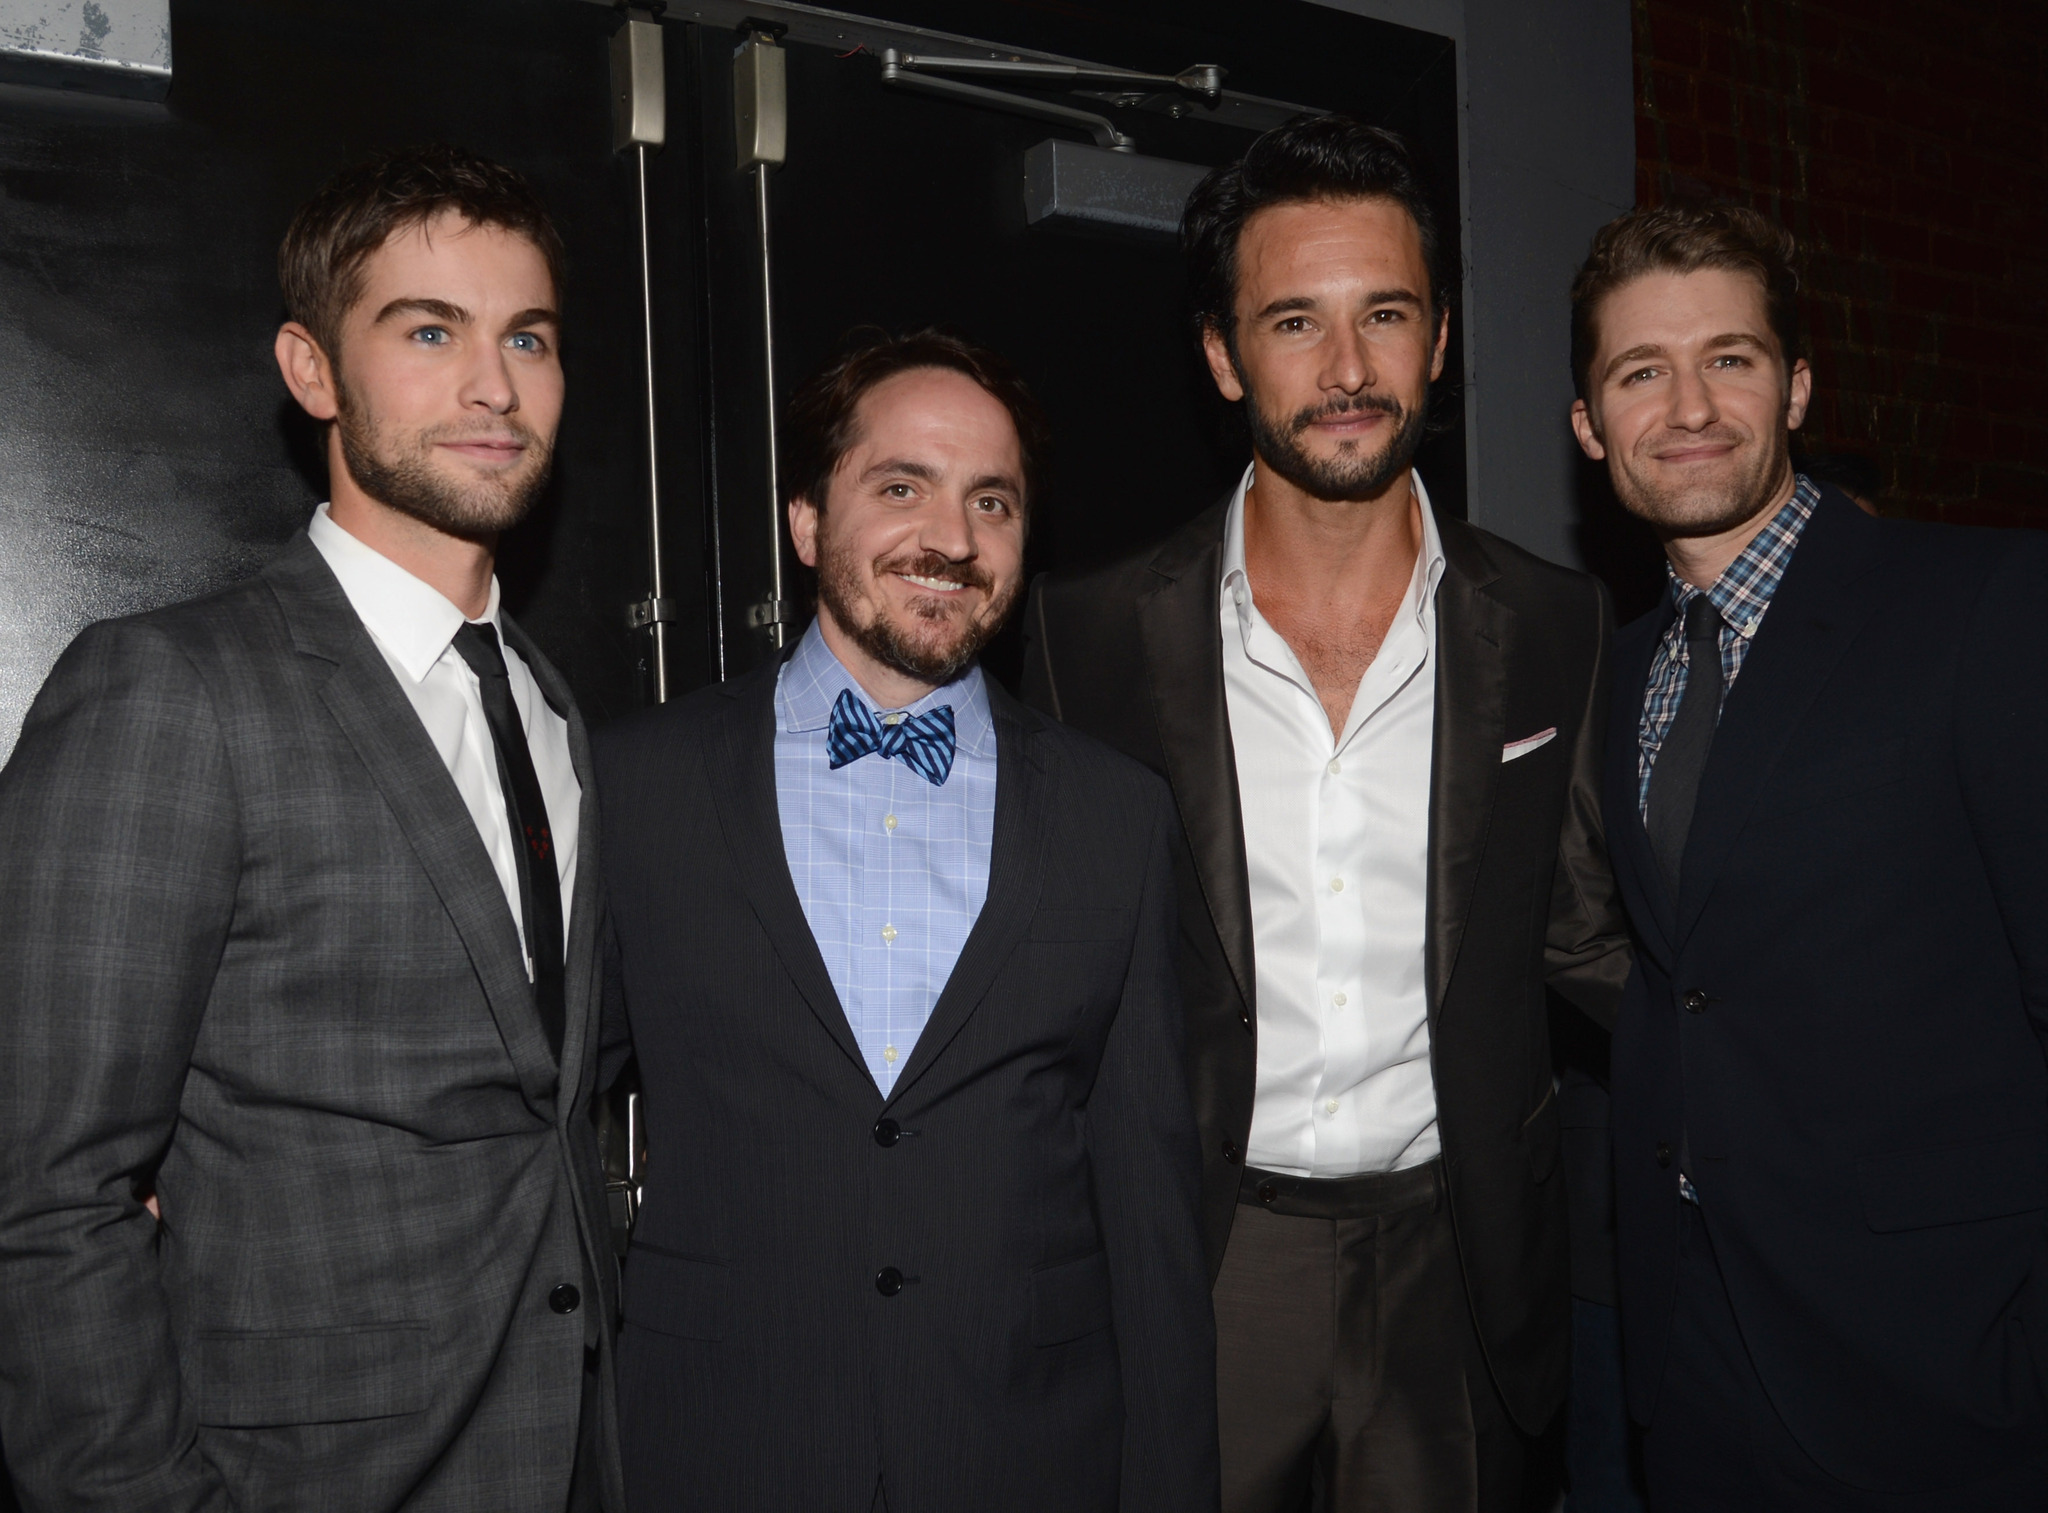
[1547,100]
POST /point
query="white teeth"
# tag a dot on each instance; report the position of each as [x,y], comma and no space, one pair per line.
[943,585]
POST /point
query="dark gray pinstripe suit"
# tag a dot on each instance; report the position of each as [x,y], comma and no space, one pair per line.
[251,942]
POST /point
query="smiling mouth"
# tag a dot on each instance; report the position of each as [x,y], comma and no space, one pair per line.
[487,451]
[1697,454]
[936,585]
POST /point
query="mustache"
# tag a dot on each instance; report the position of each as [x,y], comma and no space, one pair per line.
[499,426]
[1384,404]
[932,565]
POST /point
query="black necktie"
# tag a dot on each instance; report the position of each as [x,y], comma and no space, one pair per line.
[1675,780]
[533,843]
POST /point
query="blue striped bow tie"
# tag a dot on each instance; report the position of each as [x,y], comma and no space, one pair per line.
[923,743]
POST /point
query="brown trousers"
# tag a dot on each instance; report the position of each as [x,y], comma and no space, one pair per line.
[1349,1375]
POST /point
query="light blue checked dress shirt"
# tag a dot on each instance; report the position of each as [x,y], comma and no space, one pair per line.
[1741,594]
[892,872]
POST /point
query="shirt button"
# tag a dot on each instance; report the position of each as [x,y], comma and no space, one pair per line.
[1336,767]
[1330,1107]
[889,1054]
[1340,1000]
[1238,595]
[1336,885]
[888,933]
[888,822]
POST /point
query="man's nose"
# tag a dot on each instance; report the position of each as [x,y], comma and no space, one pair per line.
[948,529]
[1692,402]
[1347,362]
[488,384]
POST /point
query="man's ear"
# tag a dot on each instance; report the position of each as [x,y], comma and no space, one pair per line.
[1801,395]
[1221,367]
[1443,342]
[803,530]
[307,372]
[1588,433]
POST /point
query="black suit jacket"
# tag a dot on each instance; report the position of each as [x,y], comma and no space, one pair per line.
[1519,893]
[253,950]
[1032,1175]
[1864,908]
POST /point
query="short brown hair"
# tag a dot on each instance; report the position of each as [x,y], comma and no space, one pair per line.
[1685,238]
[821,426]
[320,263]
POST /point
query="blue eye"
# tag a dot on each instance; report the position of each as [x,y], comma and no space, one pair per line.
[432,335]
[525,341]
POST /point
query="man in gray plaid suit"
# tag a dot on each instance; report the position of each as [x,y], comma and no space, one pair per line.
[297,932]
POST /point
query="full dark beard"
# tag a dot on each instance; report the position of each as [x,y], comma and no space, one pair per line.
[404,478]
[1352,473]
[931,657]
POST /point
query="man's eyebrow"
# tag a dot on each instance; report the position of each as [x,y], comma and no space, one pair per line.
[903,467]
[539,315]
[1739,339]
[1634,354]
[1003,481]
[1294,302]
[438,309]
[1653,349]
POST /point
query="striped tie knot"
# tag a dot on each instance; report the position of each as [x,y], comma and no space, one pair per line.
[923,743]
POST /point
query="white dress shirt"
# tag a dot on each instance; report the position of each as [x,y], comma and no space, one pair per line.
[414,626]
[1336,839]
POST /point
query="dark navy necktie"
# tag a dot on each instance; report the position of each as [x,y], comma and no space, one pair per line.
[1675,780]
[533,842]
[923,743]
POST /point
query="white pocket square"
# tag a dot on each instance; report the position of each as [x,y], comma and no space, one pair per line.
[1527,744]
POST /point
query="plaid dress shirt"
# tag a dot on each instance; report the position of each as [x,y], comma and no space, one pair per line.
[1741,594]
[891,871]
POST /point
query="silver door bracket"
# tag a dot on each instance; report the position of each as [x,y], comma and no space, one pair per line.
[924,73]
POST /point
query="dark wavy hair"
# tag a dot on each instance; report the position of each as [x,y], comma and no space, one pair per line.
[1685,238]
[821,424]
[1310,158]
[320,263]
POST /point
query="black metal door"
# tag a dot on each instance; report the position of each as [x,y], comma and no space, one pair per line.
[899,210]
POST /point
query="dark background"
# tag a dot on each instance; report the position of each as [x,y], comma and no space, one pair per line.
[150,452]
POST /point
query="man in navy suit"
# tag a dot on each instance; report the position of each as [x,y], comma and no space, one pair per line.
[1823,797]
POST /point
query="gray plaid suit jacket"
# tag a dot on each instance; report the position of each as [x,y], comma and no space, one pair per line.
[252,950]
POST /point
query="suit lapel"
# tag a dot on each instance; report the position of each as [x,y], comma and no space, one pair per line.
[1015,873]
[1472,634]
[378,721]
[1181,628]
[580,985]
[1813,617]
[741,774]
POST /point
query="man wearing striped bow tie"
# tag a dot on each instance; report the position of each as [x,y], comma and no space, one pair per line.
[920,1230]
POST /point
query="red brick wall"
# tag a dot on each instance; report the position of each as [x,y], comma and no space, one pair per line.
[1906,143]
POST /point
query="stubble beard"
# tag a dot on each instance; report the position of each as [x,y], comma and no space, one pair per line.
[399,472]
[925,650]
[1708,509]
[1354,473]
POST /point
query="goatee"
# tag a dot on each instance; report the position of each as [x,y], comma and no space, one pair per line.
[1353,473]
[924,651]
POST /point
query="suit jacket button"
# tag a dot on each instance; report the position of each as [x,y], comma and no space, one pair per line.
[564,1299]
[1663,1154]
[1268,1191]
[888,1281]
[886,1132]
[1695,1001]
[1231,1153]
